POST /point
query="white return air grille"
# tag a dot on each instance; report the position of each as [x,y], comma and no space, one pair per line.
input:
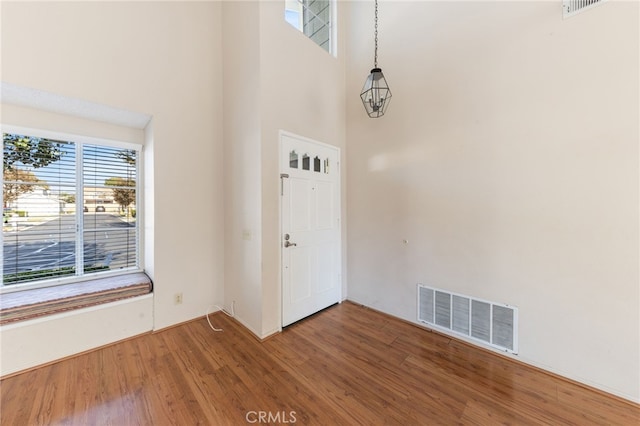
[494,324]
[573,7]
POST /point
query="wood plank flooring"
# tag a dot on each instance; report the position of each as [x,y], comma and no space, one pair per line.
[347,365]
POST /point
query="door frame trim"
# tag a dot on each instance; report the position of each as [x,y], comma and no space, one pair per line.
[281,171]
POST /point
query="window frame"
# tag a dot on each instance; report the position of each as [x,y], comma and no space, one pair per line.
[331,24]
[82,140]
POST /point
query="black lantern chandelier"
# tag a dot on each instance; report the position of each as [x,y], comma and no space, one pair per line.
[375,93]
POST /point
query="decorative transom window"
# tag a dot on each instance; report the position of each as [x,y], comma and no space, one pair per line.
[319,165]
[313,18]
[70,208]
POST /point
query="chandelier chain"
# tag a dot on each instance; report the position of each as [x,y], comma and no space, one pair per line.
[375,57]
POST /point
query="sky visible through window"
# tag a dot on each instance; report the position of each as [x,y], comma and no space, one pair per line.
[292,17]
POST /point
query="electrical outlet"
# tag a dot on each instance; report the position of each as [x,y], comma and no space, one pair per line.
[177,299]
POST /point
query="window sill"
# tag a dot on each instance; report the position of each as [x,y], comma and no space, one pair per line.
[29,304]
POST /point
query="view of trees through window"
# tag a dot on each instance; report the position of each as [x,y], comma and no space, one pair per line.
[69,208]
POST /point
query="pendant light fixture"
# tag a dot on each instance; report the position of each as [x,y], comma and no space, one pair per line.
[375,93]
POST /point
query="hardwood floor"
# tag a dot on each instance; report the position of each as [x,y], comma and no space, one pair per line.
[346,365]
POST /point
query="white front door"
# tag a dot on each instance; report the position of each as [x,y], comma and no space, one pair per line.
[310,241]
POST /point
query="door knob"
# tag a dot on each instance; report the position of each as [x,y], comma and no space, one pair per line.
[287,243]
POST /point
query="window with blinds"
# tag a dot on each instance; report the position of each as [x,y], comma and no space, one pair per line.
[69,209]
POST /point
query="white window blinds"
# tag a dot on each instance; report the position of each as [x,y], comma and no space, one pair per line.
[69,209]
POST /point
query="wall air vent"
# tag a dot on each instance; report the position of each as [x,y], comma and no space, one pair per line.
[494,324]
[573,7]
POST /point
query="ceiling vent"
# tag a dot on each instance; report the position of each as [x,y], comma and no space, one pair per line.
[573,7]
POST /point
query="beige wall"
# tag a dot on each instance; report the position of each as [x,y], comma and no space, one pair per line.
[509,161]
[275,79]
[303,92]
[158,58]
[242,162]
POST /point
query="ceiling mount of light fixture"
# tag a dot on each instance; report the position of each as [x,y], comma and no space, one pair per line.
[376,94]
